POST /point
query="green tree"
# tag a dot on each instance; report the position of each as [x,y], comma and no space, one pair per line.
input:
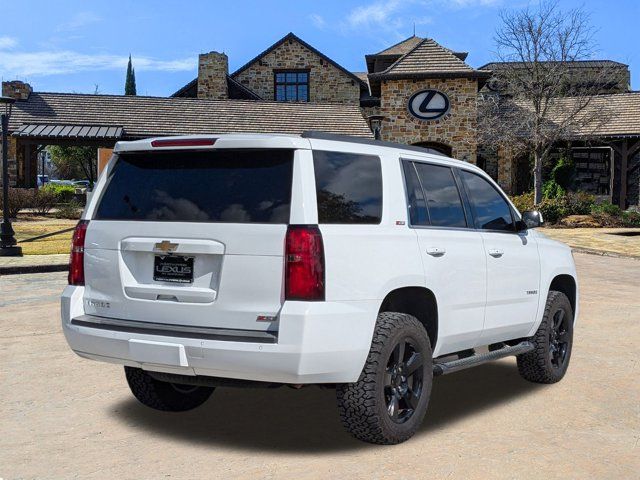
[75,162]
[130,82]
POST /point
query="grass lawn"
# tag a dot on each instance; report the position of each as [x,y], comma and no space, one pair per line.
[32,226]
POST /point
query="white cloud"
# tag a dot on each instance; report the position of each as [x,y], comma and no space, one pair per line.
[7,42]
[371,14]
[77,21]
[396,18]
[21,64]
[318,20]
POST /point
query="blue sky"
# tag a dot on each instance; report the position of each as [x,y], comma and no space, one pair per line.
[73,45]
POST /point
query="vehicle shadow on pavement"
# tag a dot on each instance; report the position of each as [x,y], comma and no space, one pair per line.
[306,420]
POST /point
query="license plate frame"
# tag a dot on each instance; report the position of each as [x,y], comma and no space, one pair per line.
[173,268]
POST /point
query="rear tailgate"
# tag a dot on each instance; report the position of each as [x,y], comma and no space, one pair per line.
[191,238]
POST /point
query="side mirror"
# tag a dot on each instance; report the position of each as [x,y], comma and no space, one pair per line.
[532,219]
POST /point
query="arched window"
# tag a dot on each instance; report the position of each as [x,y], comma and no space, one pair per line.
[435,147]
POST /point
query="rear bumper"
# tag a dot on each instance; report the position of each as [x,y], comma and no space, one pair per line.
[317,342]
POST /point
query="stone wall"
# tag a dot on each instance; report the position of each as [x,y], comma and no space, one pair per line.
[456,129]
[11,154]
[327,84]
[213,68]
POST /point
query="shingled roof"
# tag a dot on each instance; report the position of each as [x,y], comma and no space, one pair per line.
[622,111]
[142,117]
[614,115]
[294,38]
[402,47]
[429,59]
[495,66]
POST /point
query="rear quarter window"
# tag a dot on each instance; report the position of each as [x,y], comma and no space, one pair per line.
[224,186]
[348,188]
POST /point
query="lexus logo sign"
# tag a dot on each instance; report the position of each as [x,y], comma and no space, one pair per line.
[428,104]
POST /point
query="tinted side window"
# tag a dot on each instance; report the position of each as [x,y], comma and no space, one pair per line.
[348,187]
[418,213]
[443,198]
[491,210]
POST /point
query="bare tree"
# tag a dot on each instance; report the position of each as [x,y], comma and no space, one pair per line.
[539,97]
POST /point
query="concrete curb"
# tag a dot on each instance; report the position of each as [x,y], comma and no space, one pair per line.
[21,269]
[602,253]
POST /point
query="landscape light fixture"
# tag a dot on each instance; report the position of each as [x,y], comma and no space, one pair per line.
[375,122]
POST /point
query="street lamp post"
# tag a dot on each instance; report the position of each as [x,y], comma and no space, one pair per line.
[8,247]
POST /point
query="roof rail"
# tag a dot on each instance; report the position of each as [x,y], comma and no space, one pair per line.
[318,135]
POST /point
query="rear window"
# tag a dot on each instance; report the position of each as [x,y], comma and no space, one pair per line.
[348,187]
[228,186]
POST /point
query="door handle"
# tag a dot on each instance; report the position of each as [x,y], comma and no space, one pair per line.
[436,251]
[496,252]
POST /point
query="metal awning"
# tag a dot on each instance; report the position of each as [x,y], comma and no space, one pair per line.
[89,132]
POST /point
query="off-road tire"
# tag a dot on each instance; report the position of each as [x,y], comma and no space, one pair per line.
[165,396]
[536,366]
[362,405]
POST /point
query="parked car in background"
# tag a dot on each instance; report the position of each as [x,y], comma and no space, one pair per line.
[82,183]
[42,180]
[268,260]
[61,182]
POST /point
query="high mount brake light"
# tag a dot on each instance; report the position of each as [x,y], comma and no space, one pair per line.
[304,263]
[76,260]
[184,142]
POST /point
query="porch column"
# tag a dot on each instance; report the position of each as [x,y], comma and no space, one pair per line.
[626,149]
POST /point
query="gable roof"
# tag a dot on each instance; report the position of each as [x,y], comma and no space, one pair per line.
[141,117]
[291,36]
[237,91]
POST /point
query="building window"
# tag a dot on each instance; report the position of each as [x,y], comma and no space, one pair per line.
[292,86]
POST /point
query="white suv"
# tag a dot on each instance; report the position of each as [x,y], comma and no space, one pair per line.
[265,260]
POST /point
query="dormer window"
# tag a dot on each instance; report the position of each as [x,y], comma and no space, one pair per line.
[291,86]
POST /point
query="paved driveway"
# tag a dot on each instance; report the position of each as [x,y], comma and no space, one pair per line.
[64,417]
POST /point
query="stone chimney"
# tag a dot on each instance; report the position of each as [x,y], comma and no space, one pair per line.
[16,89]
[213,68]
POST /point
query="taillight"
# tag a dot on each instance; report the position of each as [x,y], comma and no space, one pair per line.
[76,261]
[304,263]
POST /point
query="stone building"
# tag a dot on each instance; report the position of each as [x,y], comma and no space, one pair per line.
[414,92]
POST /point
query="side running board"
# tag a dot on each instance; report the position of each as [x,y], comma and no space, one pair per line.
[454,365]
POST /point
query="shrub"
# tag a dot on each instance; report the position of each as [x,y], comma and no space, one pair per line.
[524,202]
[44,200]
[579,203]
[563,173]
[19,199]
[631,218]
[606,208]
[63,193]
[553,209]
[551,189]
[70,210]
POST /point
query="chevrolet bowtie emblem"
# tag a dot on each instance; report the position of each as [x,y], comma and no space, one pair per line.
[166,246]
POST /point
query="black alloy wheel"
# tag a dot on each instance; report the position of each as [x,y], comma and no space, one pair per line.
[559,338]
[553,342]
[403,381]
[387,404]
